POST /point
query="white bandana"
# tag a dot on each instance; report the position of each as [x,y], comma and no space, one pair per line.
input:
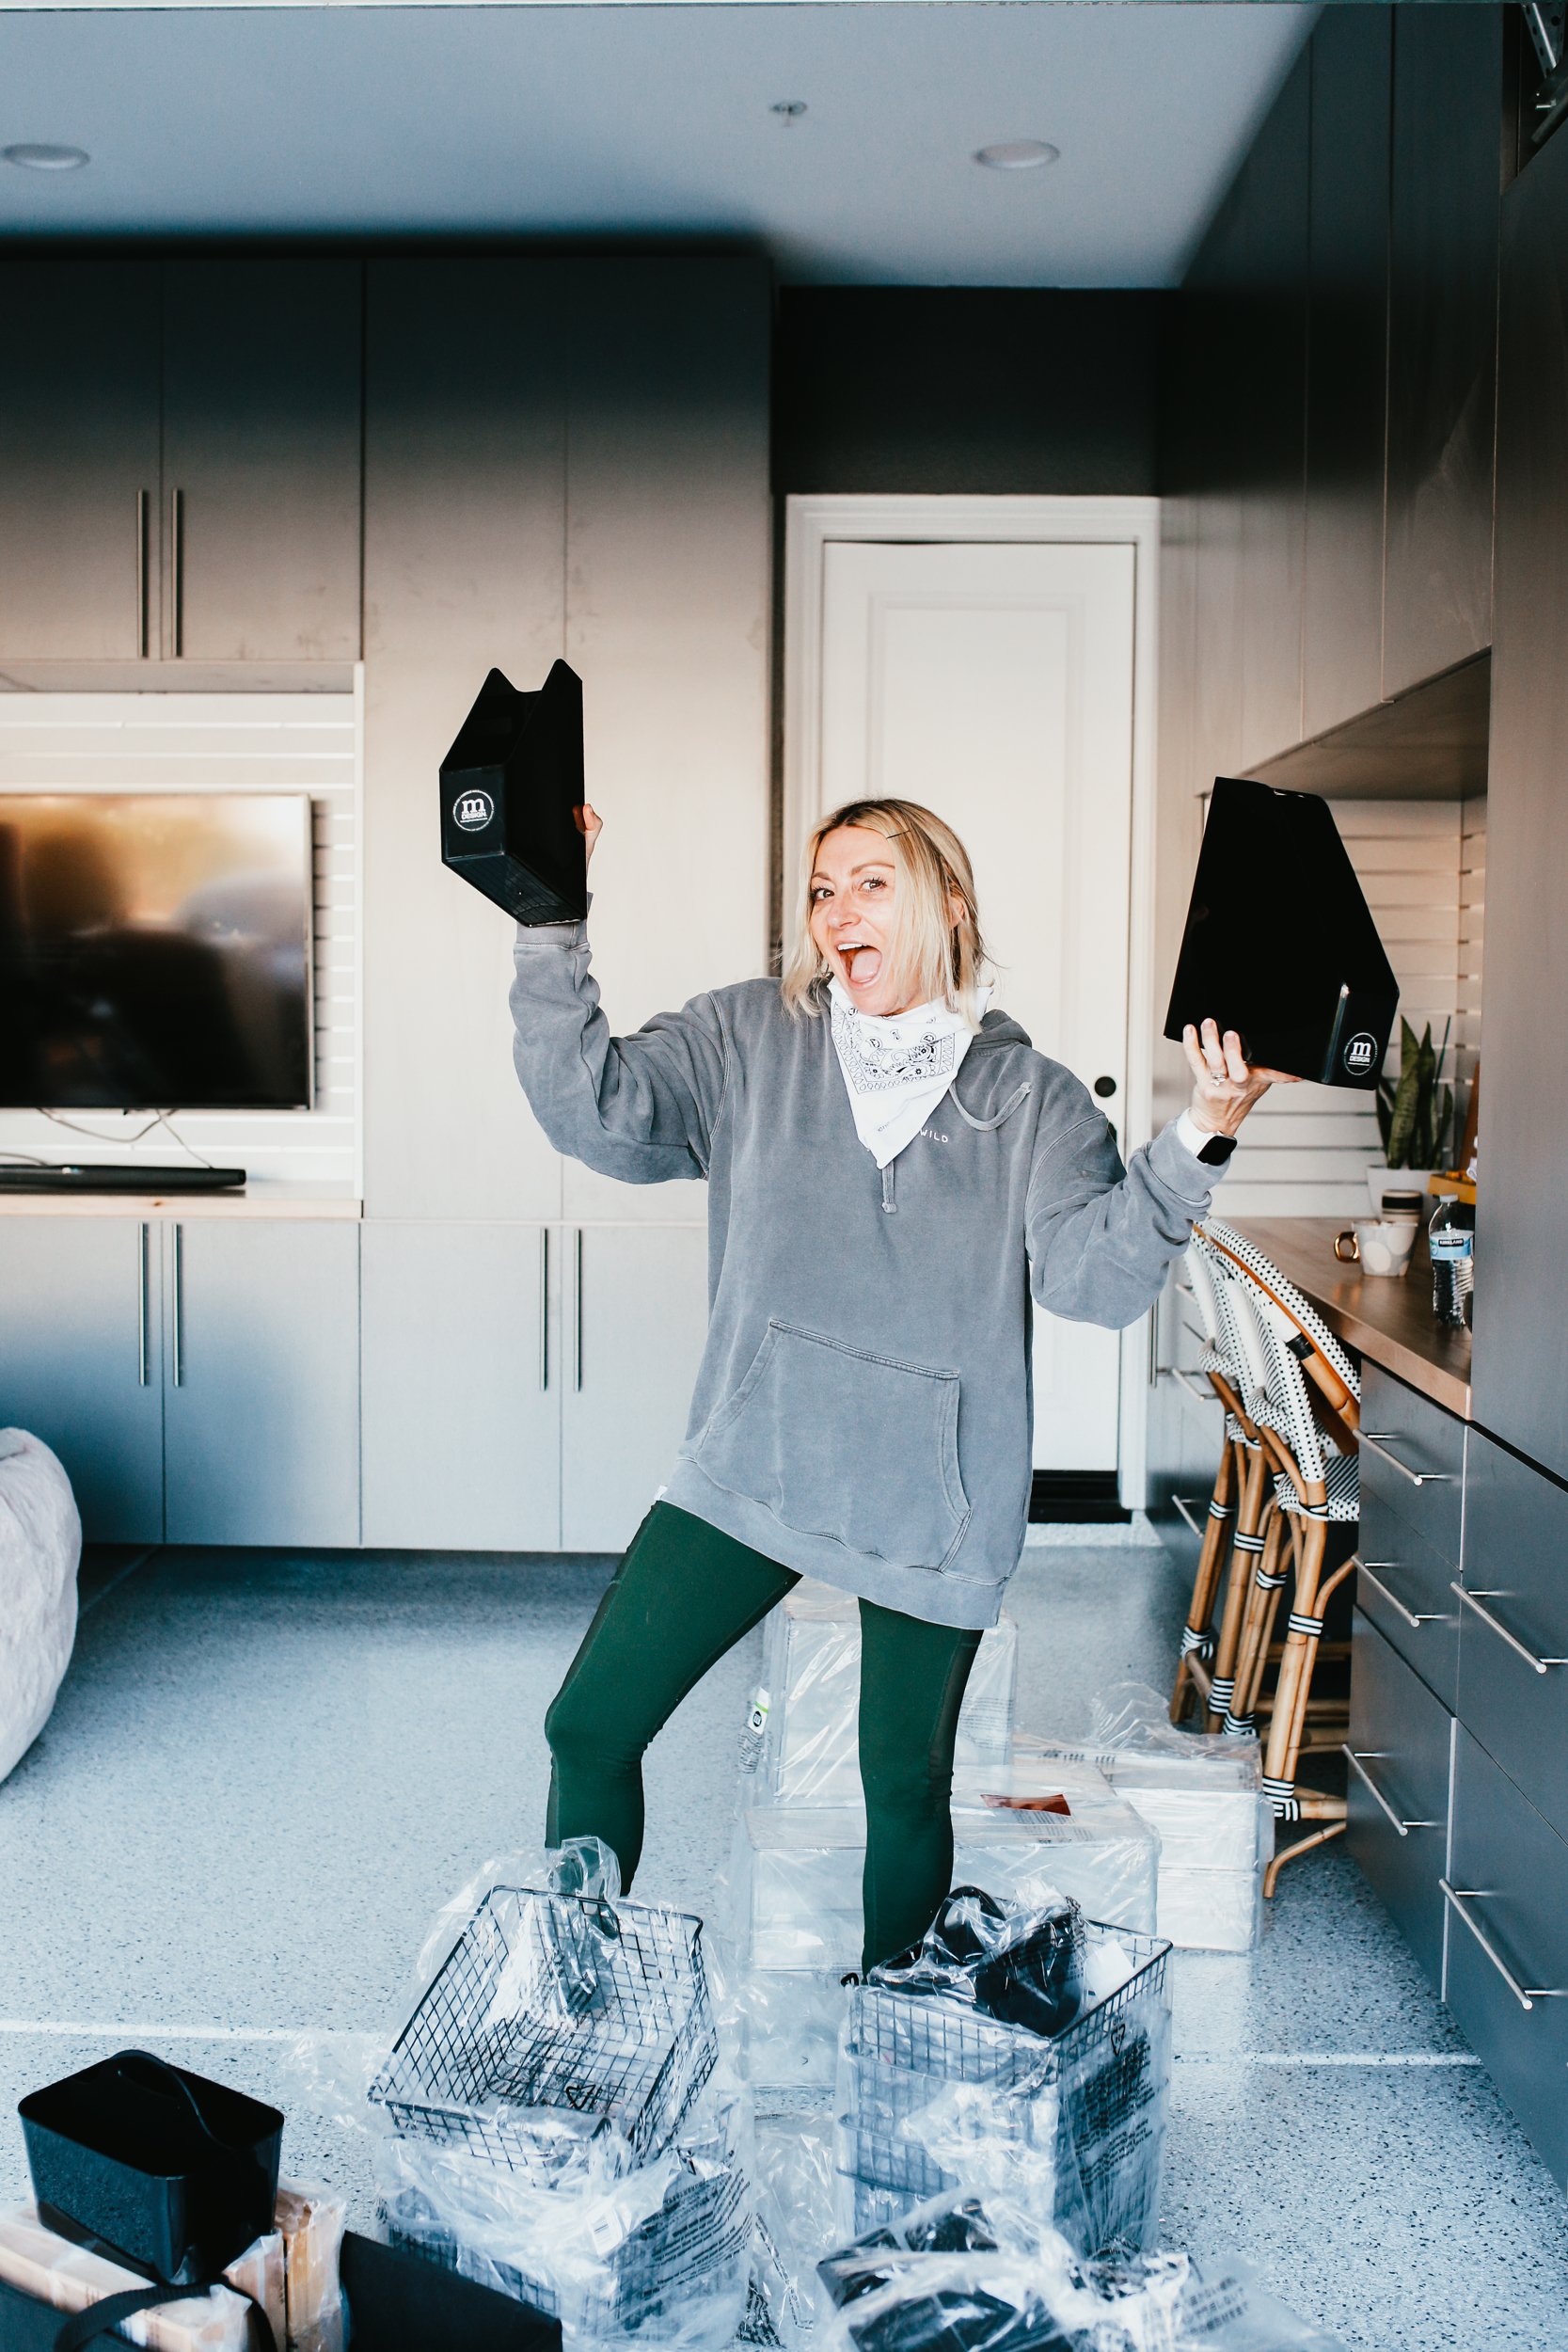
[896,1066]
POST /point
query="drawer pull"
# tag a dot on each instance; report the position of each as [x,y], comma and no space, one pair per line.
[1364,1570]
[1204,1394]
[1358,1763]
[1376,1440]
[1541,1665]
[1184,1504]
[1526,1995]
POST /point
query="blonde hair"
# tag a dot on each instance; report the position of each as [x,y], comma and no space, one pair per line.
[933,956]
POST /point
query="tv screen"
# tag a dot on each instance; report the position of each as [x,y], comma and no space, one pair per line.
[155,951]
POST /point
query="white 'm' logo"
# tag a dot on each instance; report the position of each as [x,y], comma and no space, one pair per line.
[473,811]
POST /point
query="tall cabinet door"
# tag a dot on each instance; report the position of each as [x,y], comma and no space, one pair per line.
[1521,1369]
[80,1361]
[262,1398]
[79,483]
[261,504]
[635,1317]
[461,1394]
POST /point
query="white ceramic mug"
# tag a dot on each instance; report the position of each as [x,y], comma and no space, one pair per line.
[1378,1244]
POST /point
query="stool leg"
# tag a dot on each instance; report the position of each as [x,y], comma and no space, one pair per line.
[1197,1636]
[1245,1545]
[1258,1625]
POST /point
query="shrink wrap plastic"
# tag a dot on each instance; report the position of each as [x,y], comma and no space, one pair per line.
[967,2276]
[1202,1796]
[805,1750]
[796,1870]
[935,2094]
[554,2121]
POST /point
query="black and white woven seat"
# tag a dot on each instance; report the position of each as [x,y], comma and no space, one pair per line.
[1294,1304]
[1342,1480]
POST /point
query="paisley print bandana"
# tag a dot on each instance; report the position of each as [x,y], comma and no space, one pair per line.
[896,1066]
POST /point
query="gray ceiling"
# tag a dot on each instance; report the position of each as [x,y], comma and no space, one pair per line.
[655,120]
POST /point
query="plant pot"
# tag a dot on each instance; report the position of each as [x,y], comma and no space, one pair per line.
[1381,1179]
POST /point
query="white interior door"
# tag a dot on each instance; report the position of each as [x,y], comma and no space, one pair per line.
[995,683]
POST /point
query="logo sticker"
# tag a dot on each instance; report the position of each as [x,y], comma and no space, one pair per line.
[473,811]
[1361,1053]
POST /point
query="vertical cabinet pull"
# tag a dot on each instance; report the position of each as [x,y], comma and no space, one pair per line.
[144,1367]
[142,504]
[543,1306]
[577,1309]
[179,1315]
[176,572]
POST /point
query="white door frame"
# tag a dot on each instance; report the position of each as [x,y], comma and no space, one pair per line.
[810,525]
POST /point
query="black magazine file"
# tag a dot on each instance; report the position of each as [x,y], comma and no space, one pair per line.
[511,786]
[1280,944]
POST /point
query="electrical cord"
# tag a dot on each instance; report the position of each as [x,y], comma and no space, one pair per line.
[159,1118]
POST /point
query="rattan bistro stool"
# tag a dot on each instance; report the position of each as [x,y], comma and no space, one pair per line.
[1194,1666]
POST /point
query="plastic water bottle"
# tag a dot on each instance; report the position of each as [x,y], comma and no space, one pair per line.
[1451,1241]
[755,1732]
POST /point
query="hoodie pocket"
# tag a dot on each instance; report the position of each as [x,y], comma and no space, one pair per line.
[841,1443]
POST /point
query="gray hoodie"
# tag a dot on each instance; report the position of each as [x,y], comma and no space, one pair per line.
[862,1411]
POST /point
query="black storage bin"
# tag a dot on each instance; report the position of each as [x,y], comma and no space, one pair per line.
[511,787]
[178,2173]
[26,2323]
[399,2302]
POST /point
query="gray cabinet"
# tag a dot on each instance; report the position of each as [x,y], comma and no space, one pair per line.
[261,1401]
[183,460]
[1513,1646]
[259,513]
[1398,1791]
[1508,1946]
[79,373]
[1521,1351]
[1447,171]
[80,1361]
[1347,366]
[634,1305]
[462,1378]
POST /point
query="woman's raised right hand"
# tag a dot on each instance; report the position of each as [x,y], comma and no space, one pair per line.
[590,825]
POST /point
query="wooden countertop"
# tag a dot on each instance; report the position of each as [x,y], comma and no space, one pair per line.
[249,1201]
[1388,1320]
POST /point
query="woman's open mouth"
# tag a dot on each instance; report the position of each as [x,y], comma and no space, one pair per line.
[861,962]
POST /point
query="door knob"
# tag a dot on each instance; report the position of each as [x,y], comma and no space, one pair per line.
[1104,1087]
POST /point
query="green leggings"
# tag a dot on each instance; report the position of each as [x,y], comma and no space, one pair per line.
[684,1595]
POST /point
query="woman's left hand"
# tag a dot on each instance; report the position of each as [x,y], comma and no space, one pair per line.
[1225,1086]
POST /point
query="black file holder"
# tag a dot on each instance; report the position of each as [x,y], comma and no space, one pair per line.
[511,787]
[1280,943]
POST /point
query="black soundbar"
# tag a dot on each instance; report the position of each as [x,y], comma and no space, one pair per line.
[119,1176]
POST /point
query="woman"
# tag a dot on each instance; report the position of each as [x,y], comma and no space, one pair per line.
[892,1170]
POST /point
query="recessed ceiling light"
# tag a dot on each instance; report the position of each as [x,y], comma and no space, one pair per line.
[37,156]
[1017,155]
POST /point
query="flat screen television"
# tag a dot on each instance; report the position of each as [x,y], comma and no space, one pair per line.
[155,951]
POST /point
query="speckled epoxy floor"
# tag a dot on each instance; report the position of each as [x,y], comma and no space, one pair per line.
[264,1773]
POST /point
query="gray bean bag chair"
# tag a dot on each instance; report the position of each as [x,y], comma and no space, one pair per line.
[41,1547]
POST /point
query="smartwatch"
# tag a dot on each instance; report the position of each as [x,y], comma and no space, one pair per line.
[1217,1150]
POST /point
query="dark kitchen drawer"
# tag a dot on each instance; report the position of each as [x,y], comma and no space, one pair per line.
[1509,1876]
[1516,1570]
[1398,1787]
[1405,1586]
[1413,1459]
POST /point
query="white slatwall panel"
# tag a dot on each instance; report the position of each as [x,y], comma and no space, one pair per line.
[1306,1150]
[215,743]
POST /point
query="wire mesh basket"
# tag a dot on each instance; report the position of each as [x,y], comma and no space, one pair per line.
[556,2018]
[693,2247]
[1088,2105]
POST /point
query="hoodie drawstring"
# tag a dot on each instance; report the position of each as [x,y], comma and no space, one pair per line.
[984,1126]
[889,1206]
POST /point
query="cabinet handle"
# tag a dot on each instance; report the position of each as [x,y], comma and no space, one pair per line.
[543,1306]
[1184,1504]
[577,1309]
[179,1314]
[142,504]
[1540,1664]
[1364,1569]
[1358,1762]
[176,572]
[1194,1387]
[143,1363]
[1526,1995]
[1376,1437]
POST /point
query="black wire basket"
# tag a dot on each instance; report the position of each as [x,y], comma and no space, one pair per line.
[556,2018]
[1089,2105]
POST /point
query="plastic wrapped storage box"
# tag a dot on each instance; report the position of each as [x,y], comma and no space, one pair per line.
[812,1675]
[1204,1800]
[796,1869]
[935,2095]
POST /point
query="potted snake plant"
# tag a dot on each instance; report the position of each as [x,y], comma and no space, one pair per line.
[1415,1118]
